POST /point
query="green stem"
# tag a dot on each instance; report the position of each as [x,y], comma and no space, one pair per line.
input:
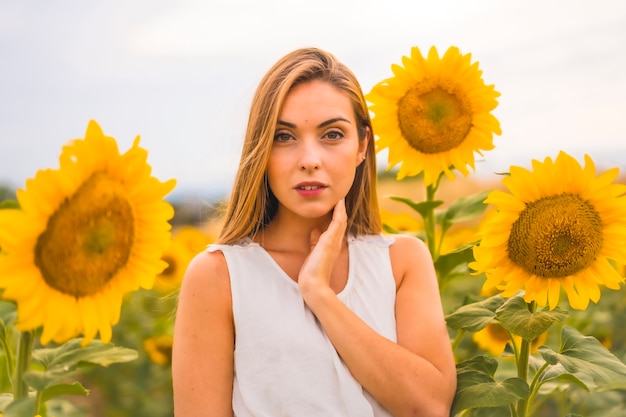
[457,339]
[522,367]
[24,350]
[38,402]
[8,356]
[514,344]
[513,411]
[522,373]
[429,222]
[535,385]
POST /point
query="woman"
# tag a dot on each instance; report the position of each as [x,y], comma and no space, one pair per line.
[303,308]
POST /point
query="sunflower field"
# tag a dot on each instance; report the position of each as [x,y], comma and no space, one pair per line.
[531,263]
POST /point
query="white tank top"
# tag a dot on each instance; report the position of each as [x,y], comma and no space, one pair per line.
[284,363]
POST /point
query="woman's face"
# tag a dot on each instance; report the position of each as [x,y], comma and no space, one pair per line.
[316,150]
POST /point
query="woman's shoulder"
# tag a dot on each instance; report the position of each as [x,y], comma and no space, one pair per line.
[409,256]
[207,275]
[210,260]
[405,244]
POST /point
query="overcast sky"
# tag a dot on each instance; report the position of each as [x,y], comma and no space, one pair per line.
[181,73]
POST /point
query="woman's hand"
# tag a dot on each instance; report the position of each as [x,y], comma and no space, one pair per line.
[315,274]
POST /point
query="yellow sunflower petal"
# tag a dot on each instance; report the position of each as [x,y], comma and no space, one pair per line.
[574,298]
[505,201]
[608,275]
[537,290]
[554,292]
[61,318]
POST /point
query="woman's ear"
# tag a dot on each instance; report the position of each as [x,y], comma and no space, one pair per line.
[363,145]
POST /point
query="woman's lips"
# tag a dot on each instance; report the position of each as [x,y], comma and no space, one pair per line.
[310,189]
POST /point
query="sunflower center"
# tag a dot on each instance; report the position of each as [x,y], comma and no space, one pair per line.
[433,120]
[88,239]
[172,267]
[497,332]
[556,236]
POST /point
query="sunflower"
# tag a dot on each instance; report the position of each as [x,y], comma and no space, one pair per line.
[194,239]
[86,234]
[494,338]
[434,114]
[558,227]
[456,237]
[177,256]
[185,243]
[400,222]
[159,349]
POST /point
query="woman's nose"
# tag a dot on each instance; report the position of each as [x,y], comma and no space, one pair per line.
[310,156]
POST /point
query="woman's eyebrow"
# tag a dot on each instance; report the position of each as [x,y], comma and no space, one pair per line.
[323,124]
[331,121]
[286,124]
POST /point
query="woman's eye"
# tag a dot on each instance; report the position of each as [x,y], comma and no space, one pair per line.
[282,137]
[334,135]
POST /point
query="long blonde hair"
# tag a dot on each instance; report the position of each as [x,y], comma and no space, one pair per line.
[252,204]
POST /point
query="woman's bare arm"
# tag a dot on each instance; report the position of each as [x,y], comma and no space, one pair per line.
[202,359]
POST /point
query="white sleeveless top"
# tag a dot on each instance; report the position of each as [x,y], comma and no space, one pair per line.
[285,365]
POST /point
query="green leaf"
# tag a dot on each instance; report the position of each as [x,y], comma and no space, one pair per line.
[448,263]
[5,400]
[8,316]
[515,317]
[490,394]
[462,209]
[477,388]
[8,313]
[71,353]
[64,389]
[588,360]
[59,362]
[390,229]
[558,374]
[22,407]
[40,379]
[9,204]
[423,208]
[481,364]
[617,385]
[61,407]
[418,234]
[475,316]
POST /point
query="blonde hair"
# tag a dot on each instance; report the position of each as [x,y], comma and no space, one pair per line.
[252,204]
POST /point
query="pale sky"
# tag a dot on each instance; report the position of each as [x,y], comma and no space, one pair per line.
[181,73]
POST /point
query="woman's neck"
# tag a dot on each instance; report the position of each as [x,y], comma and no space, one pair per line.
[287,233]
